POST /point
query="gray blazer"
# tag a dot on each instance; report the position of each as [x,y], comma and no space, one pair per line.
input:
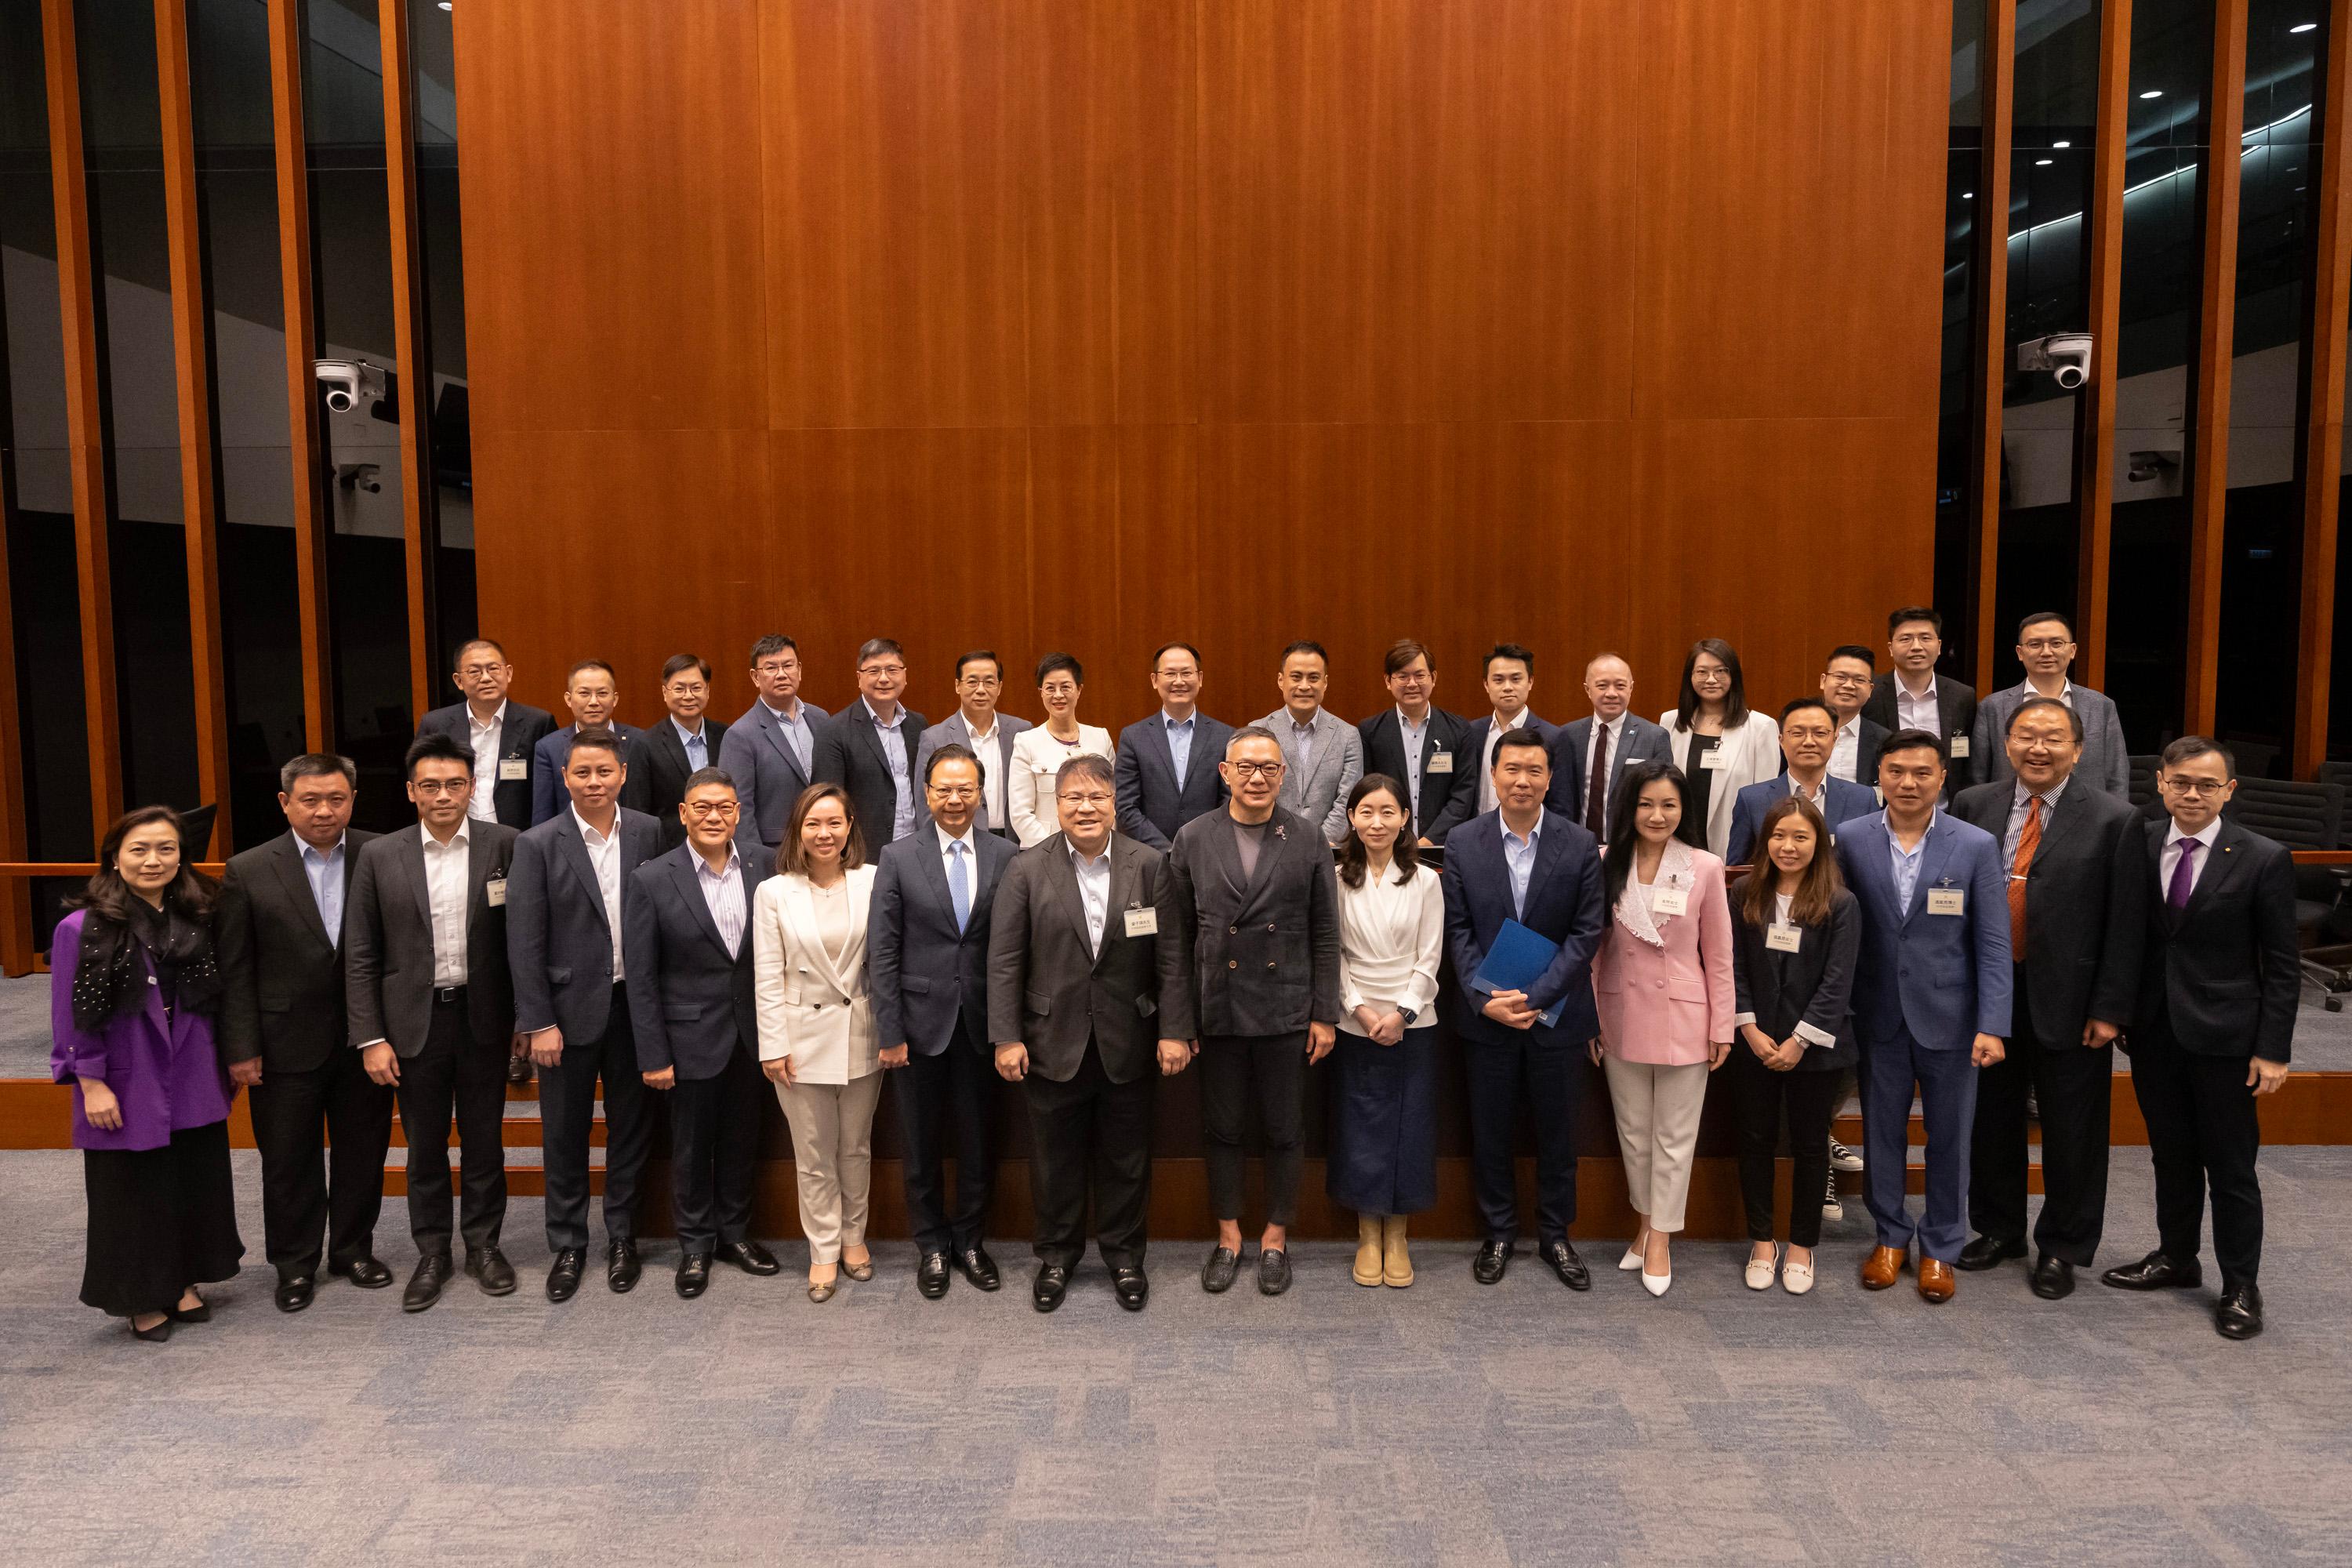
[926,974]
[1152,802]
[1638,740]
[954,731]
[388,942]
[691,1003]
[1320,793]
[559,944]
[1047,989]
[2105,764]
[1255,959]
[768,774]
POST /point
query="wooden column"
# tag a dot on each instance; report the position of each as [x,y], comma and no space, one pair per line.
[2095,441]
[2209,472]
[2000,50]
[2323,432]
[419,511]
[310,518]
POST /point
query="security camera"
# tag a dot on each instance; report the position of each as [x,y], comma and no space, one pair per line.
[350,382]
[2065,355]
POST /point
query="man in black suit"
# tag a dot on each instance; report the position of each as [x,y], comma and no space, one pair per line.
[431,1008]
[2214,1026]
[502,735]
[1076,989]
[1416,742]
[592,692]
[1915,695]
[876,739]
[1509,680]
[1253,967]
[1847,678]
[1168,771]
[1586,765]
[277,940]
[566,903]
[927,961]
[778,748]
[687,943]
[675,749]
[2077,918]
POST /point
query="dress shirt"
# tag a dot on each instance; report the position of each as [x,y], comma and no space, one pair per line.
[2173,841]
[990,750]
[1818,796]
[1093,892]
[1614,730]
[1304,735]
[1412,736]
[1495,729]
[2017,809]
[445,866]
[1820,1038]
[1906,866]
[722,892]
[696,744]
[1520,854]
[1179,741]
[795,726]
[894,752]
[1846,752]
[1920,712]
[604,854]
[949,842]
[326,874]
[486,735]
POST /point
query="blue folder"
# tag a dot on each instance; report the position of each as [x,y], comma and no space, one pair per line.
[1516,962]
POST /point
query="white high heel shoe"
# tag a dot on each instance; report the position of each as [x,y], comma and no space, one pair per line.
[1656,1284]
[1633,1258]
[1761,1270]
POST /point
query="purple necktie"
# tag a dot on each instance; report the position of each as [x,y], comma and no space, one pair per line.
[2184,875]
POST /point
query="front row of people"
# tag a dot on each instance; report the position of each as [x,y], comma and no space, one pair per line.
[1969,956]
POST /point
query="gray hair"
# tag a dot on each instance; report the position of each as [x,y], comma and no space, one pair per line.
[1251,732]
[317,764]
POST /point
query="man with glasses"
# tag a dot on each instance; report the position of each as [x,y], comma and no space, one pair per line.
[875,738]
[1915,695]
[1846,676]
[778,748]
[684,743]
[979,729]
[2045,645]
[1168,772]
[501,734]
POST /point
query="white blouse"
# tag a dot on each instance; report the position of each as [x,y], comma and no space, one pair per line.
[1029,778]
[1391,937]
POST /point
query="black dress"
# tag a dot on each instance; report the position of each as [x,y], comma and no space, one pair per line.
[1700,777]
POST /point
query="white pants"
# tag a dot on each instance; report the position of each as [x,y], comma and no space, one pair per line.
[1657,1127]
[833,1155]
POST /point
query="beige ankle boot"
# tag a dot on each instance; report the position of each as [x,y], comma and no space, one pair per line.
[1367,1249]
[1396,1263]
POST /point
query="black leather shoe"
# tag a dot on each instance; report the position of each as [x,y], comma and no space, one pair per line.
[1217,1274]
[294,1292]
[2053,1277]
[202,1312]
[693,1274]
[1052,1284]
[1273,1271]
[488,1267]
[621,1265]
[425,1285]
[517,1069]
[563,1275]
[1133,1288]
[155,1335]
[2240,1315]
[1567,1264]
[751,1257]
[931,1276]
[363,1271]
[1493,1258]
[978,1268]
[1984,1252]
[2154,1272]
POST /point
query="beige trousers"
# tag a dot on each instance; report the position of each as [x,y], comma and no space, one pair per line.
[833,1153]
[1657,1127]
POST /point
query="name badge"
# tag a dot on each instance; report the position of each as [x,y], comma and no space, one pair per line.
[513,768]
[495,890]
[1440,763]
[1948,902]
[1782,938]
[1143,922]
[1715,759]
[1669,900]
[1960,746]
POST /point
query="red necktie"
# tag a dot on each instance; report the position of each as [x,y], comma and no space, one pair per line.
[2029,840]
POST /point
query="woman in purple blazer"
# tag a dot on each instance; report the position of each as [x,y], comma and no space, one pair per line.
[1662,980]
[132,990]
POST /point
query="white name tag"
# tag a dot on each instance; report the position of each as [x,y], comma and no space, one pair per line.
[1959,747]
[1440,763]
[1143,922]
[1782,938]
[1715,759]
[1669,900]
[1948,902]
[495,890]
[514,768]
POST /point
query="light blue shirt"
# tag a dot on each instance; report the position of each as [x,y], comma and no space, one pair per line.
[326,875]
[698,744]
[1520,854]
[1179,743]
[894,752]
[1906,866]
[1094,893]
[795,726]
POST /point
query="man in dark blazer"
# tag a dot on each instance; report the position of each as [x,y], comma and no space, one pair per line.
[1168,772]
[2077,906]
[1846,677]
[927,962]
[1432,767]
[979,728]
[876,739]
[431,1003]
[1520,862]
[1580,790]
[503,735]
[1509,681]
[1808,735]
[1915,695]
[685,743]
[686,938]
[1075,990]
[778,748]
[567,900]
[278,938]
[591,692]
[2213,1028]
[1254,952]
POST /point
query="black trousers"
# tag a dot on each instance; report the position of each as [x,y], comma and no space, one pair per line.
[1090,1130]
[322,1135]
[935,1094]
[1232,1066]
[2075,1088]
[567,1111]
[1551,1080]
[2202,1130]
[714,1145]
[455,1071]
[1759,1096]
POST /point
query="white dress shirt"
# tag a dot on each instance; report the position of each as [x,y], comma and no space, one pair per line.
[1391,938]
[1846,752]
[1093,892]
[1920,712]
[948,844]
[990,750]
[445,866]
[604,854]
[1495,729]
[1413,736]
[2173,841]
[1614,730]
[486,733]
[723,893]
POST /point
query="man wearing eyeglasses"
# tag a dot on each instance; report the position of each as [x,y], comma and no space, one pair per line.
[877,738]
[2045,645]
[502,735]
[979,729]
[778,748]
[1846,676]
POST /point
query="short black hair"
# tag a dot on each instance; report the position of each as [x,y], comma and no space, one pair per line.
[1896,620]
[701,776]
[1165,649]
[874,648]
[1519,651]
[771,645]
[1912,740]
[1851,650]
[1791,707]
[975,655]
[678,663]
[954,752]
[1519,739]
[580,664]
[1086,765]
[1303,644]
[317,764]
[2036,617]
[1402,652]
[2074,719]
[470,644]
[437,747]
[2193,746]
[1053,661]
[598,739]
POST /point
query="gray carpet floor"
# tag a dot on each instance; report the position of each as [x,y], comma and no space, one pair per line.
[1449,1423]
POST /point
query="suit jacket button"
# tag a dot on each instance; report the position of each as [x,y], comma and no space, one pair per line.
[1232,931]
[1269,925]
[1233,963]
[1269,963]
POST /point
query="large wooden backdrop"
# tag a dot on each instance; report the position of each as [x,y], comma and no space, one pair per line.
[1086,324]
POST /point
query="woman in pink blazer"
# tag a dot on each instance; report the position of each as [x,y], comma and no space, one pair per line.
[1663,982]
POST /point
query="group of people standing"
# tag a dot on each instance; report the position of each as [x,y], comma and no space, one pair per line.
[656,921]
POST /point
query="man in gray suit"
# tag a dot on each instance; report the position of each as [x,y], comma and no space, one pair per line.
[1253,962]
[778,748]
[1588,755]
[1167,764]
[979,728]
[566,903]
[1322,757]
[2045,645]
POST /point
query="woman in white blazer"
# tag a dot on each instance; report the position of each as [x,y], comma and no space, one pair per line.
[1038,753]
[1719,744]
[817,1041]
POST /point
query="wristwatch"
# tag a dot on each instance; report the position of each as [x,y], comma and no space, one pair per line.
[1408,1015]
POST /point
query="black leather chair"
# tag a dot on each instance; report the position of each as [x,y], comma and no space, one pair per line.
[2142,788]
[2304,816]
[196,833]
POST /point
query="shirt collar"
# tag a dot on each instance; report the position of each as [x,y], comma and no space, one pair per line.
[2204,836]
[898,716]
[1886,815]
[1904,692]
[1820,791]
[795,717]
[1852,726]
[464,835]
[1298,728]
[1171,721]
[309,851]
[1534,834]
[1080,862]
[995,722]
[2049,796]
[685,734]
[589,834]
[1612,725]
[1404,720]
[496,720]
[1496,726]
[734,863]
[947,839]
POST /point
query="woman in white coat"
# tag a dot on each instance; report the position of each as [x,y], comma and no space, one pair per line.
[1718,744]
[817,1040]
[1038,753]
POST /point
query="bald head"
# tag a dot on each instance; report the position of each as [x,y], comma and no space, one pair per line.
[1608,687]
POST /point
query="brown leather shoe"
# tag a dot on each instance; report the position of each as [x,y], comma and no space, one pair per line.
[1937,1281]
[1881,1268]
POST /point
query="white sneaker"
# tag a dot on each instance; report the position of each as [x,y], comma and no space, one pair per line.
[1843,1159]
[1760,1269]
[1832,1206]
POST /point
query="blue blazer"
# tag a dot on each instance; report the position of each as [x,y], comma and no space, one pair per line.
[1564,904]
[1472,755]
[1151,805]
[1946,978]
[548,795]
[1840,801]
[924,973]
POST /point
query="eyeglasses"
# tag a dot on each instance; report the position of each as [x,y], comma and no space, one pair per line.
[2048,645]
[441,786]
[892,670]
[1094,798]
[1257,770]
[956,792]
[2195,786]
[704,810]
[1837,679]
[473,671]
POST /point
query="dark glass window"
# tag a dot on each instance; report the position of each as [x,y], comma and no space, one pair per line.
[1955,486]
[441,246]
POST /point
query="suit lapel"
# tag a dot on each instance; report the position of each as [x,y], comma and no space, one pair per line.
[935,870]
[1934,854]
[412,860]
[1064,877]
[2221,862]
[575,855]
[296,879]
[773,728]
[687,881]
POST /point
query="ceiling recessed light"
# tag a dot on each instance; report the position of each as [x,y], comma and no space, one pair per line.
[2303,27]
[2152,92]
[2061,144]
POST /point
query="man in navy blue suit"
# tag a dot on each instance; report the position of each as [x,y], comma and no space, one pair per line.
[1931,1001]
[1510,681]
[592,693]
[1808,735]
[1522,862]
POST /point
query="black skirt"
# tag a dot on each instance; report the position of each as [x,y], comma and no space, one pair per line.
[160,1221]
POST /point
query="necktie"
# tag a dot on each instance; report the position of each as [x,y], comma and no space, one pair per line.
[2029,840]
[958,884]
[1596,793]
[2184,875]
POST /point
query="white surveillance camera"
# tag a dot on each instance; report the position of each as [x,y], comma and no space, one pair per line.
[2065,355]
[350,382]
